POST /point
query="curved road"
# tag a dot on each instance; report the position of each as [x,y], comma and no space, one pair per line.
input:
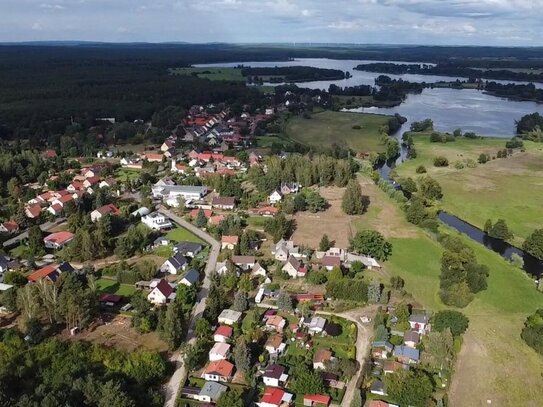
[172,388]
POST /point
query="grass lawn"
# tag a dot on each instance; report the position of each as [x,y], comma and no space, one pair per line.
[106,286]
[329,127]
[180,234]
[214,74]
[507,188]
[163,251]
[19,251]
[123,174]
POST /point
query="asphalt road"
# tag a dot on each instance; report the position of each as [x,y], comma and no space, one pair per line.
[172,387]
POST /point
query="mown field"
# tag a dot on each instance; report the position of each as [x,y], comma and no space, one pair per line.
[180,234]
[494,363]
[508,188]
[328,127]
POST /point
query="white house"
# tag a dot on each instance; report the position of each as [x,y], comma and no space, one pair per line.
[97,214]
[211,392]
[223,333]
[174,264]
[419,323]
[294,267]
[316,325]
[244,262]
[58,240]
[219,351]
[258,270]
[275,397]
[229,317]
[191,278]
[162,293]
[187,192]
[219,371]
[275,197]
[156,221]
[274,376]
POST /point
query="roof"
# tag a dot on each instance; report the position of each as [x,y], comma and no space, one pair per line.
[220,348]
[274,371]
[192,276]
[213,390]
[230,239]
[65,267]
[47,271]
[318,398]
[109,208]
[406,351]
[270,209]
[378,403]
[243,259]
[59,237]
[34,210]
[331,261]
[185,247]
[110,298]
[322,355]
[274,341]
[230,314]
[419,318]
[273,395]
[275,320]
[224,330]
[411,336]
[177,260]
[294,262]
[224,200]
[165,288]
[207,213]
[220,368]
[10,226]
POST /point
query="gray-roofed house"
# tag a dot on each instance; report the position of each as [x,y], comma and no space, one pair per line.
[316,325]
[411,339]
[174,264]
[405,354]
[211,392]
[378,387]
[191,278]
[161,241]
[188,248]
[419,323]
[381,349]
[4,265]
[229,317]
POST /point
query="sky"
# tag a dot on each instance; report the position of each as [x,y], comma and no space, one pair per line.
[441,22]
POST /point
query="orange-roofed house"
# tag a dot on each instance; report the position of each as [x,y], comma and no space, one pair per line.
[317,400]
[110,209]
[91,181]
[223,333]
[215,220]
[275,397]
[153,157]
[276,323]
[268,211]
[9,227]
[50,272]
[219,371]
[58,240]
[33,211]
[229,242]
[49,154]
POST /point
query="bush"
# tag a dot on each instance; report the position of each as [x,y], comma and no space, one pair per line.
[421,169]
[441,161]
[471,163]
[459,165]
[356,127]
[436,138]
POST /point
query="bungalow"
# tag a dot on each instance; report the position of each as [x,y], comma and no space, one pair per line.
[267,211]
[153,157]
[275,397]
[160,241]
[381,349]
[229,242]
[321,357]
[329,262]
[258,270]
[33,211]
[9,227]
[156,221]
[188,248]
[229,317]
[275,197]
[275,345]
[244,262]
[316,326]
[411,339]
[211,392]
[58,240]
[275,323]
[191,278]
[391,366]
[419,323]
[174,264]
[51,272]
[218,371]
[223,333]
[317,400]
[378,387]
[294,267]
[274,376]
[219,351]
[162,293]
[134,163]
[224,202]
[110,209]
[405,354]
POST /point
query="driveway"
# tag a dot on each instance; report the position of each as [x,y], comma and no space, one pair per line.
[172,388]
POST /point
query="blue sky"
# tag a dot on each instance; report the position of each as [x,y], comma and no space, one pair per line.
[447,22]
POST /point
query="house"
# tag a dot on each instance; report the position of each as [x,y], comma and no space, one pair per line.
[167,145]
[156,221]
[110,209]
[224,202]
[9,227]
[160,241]
[188,248]
[58,240]
[216,219]
[275,323]
[316,325]
[283,249]
[419,323]
[274,376]
[411,339]
[294,268]
[33,211]
[219,351]
[153,157]
[162,293]
[51,272]
[289,188]
[391,366]
[55,209]
[405,354]
[369,262]
[317,400]
[267,211]
[191,278]
[174,264]
[329,262]
[49,154]
[275,197]
[275,397]
[179,168]
[275,345]
[110,299]
[229,242]
[378,387]
[211,392]
[108,183]
[321,357]
[223,333]
[4,264]
[258,270]
[187,192]
[219,371]
[244,262]
[229,317]
[207,213]
[381,349]
[221,267]
[134,163]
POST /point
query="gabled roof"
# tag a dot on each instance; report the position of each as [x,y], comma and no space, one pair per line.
[411,336]
[192,276]
[177,261]
[47,271]
[224,330]
[185,247]
[207,213]
[220,368]
[273,395]
[230,239]
[322,355]
[243,259]
[109,208]
[224,200]
[406,351]
[165,288]
[294,262]
[274,341]
[323,399]
[59,238]
[274,371]
[419,318]
[220,348]
[331,261]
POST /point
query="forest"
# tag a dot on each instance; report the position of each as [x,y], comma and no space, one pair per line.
[294,73]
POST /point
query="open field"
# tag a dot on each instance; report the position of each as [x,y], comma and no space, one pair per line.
[214,74]
[107,286]
[329,127]
[125,174]
[180,234]
[507,188]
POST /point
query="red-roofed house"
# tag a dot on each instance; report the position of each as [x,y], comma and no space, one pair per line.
[49,271]
[224,202]
[58,240]
[329,262]
[162,293]
[97,214]
[268,211]
[9,227]
[275,397]
[153,157]
[229,242]
[317,400]
[55,209]
[223,333]
[33,211]
[91,181]
[219,371]
[207,213]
